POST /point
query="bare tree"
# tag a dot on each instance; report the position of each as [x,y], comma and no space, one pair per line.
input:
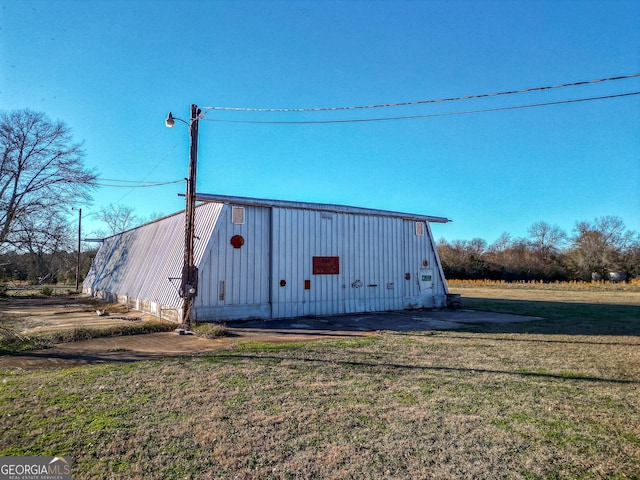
[43,237]
[503,242]
[598,247]
[41,171]
[546,239]
[151,217]
[631,257]
[118,218]
[462,258]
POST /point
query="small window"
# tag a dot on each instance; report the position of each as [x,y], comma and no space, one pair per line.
[237,215]
[419,228]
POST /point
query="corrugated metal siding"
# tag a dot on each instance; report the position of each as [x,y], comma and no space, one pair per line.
[234,277]
[138,263]
[381,259]
[416,252]
[298,236]
[372,260]
[441,288]
[376,254]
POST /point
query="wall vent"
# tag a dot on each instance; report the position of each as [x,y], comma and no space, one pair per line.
[419,228]
[221,290]
[237,215]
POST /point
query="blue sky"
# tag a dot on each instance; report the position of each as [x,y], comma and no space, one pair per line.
[112,69]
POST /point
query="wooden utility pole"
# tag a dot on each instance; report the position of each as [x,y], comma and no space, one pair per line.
[79,246]
[189,283]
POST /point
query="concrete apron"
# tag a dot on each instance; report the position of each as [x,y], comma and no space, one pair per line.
[402,321]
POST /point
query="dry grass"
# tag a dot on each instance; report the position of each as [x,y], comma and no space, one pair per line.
[419,405]
[605,297]
[632,285]
[21,289]
[212,330]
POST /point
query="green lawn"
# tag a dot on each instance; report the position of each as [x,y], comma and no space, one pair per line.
[605,310]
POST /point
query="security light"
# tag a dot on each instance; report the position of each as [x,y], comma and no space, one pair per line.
[169,122]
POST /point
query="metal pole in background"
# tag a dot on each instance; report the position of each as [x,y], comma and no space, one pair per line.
[189,271]
[79,246]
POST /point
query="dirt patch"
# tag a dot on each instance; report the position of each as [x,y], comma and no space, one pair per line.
[135,348]
[46,314]
[32,315]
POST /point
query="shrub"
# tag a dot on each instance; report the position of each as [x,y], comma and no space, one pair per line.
[46,291]
[212,330]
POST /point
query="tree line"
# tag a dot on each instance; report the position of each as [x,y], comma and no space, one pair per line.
[603,249]
[42,177]
[43,183]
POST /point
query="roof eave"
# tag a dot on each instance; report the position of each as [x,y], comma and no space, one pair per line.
[258,202]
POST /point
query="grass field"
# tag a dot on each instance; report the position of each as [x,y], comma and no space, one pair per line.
[576,308]
[19,289]
[556,398]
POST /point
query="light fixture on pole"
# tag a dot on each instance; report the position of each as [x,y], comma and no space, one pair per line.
[189,281]
[170,121]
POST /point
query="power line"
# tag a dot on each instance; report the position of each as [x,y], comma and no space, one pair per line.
[411,117]
[138,184]
[423,102]
[160,162]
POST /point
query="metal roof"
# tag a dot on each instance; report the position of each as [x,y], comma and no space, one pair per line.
[323,207]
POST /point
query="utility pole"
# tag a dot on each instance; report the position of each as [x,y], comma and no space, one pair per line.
[79,246]
[189,283]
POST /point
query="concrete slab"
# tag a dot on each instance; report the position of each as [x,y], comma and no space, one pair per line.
[406,320]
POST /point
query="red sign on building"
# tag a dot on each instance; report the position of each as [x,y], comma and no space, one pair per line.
[326,265]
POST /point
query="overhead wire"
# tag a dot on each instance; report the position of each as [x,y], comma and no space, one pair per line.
[424,102]
[124,181]
[131,184]
[160,162]
[410,117]
[137,184]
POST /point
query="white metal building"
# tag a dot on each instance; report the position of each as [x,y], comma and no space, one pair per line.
[275,259]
